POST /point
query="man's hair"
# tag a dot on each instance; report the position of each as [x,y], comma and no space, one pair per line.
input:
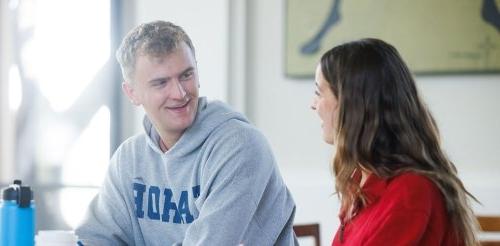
[384,126]
[152,39]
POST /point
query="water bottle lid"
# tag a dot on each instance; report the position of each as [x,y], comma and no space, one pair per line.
[16,192]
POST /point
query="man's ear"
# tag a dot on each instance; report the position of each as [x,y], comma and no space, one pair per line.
[129,90]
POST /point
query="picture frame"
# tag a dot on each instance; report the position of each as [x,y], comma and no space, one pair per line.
[432,36]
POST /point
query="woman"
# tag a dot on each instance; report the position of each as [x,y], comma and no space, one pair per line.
[395,183]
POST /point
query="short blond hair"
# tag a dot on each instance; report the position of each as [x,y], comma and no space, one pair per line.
[154,39]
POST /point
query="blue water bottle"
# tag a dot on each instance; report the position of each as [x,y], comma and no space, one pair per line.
[17,216]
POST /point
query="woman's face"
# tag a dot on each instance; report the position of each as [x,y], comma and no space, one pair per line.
[326,105]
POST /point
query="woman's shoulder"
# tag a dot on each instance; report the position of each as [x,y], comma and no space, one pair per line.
[414,190]
[411,179]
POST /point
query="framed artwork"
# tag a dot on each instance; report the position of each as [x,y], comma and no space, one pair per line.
[433,36]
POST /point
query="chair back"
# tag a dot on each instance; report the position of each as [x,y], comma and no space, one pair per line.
[489,224]
[308,230]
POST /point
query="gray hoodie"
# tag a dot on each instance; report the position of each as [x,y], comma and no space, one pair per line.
[218,185]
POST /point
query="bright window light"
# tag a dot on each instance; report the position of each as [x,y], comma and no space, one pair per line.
[64,134]
[70,47]
[86,164]
[56,137]
[13,4]
[15,88]
[88,159]
[74,201]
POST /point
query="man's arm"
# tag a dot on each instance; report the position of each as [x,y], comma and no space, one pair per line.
[246,200]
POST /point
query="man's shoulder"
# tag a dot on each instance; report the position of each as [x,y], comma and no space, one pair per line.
[235,128]
[136,141]
[139,138]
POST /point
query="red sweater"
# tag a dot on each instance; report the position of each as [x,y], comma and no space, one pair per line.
[405,210]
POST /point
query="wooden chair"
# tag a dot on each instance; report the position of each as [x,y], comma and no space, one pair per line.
[489,224]
[308,230]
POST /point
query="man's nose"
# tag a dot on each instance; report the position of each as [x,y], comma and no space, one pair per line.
[178,92]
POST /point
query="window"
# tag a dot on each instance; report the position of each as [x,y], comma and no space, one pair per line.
[63,98]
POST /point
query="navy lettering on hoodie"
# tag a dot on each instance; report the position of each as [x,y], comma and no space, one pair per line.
[180,209]
[139,190]
[169,205]
[154,203]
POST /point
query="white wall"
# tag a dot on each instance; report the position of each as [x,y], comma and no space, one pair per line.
[467,109]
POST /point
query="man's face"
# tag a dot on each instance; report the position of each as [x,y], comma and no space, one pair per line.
[167,88]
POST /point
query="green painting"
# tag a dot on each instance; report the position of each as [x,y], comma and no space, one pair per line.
[433,36]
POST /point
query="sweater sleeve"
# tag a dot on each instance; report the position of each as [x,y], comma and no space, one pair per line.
[107,221]
[241,182]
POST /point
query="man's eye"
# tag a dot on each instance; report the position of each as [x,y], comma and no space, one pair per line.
[160,82]
[187,75]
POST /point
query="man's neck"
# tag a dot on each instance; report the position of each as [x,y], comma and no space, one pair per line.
[163,147]
[167,142]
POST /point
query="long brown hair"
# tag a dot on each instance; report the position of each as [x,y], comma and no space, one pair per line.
[384,126]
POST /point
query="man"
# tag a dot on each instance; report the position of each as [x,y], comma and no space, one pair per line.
[200,174]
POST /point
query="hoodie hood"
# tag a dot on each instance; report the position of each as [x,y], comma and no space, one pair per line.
[213,114]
